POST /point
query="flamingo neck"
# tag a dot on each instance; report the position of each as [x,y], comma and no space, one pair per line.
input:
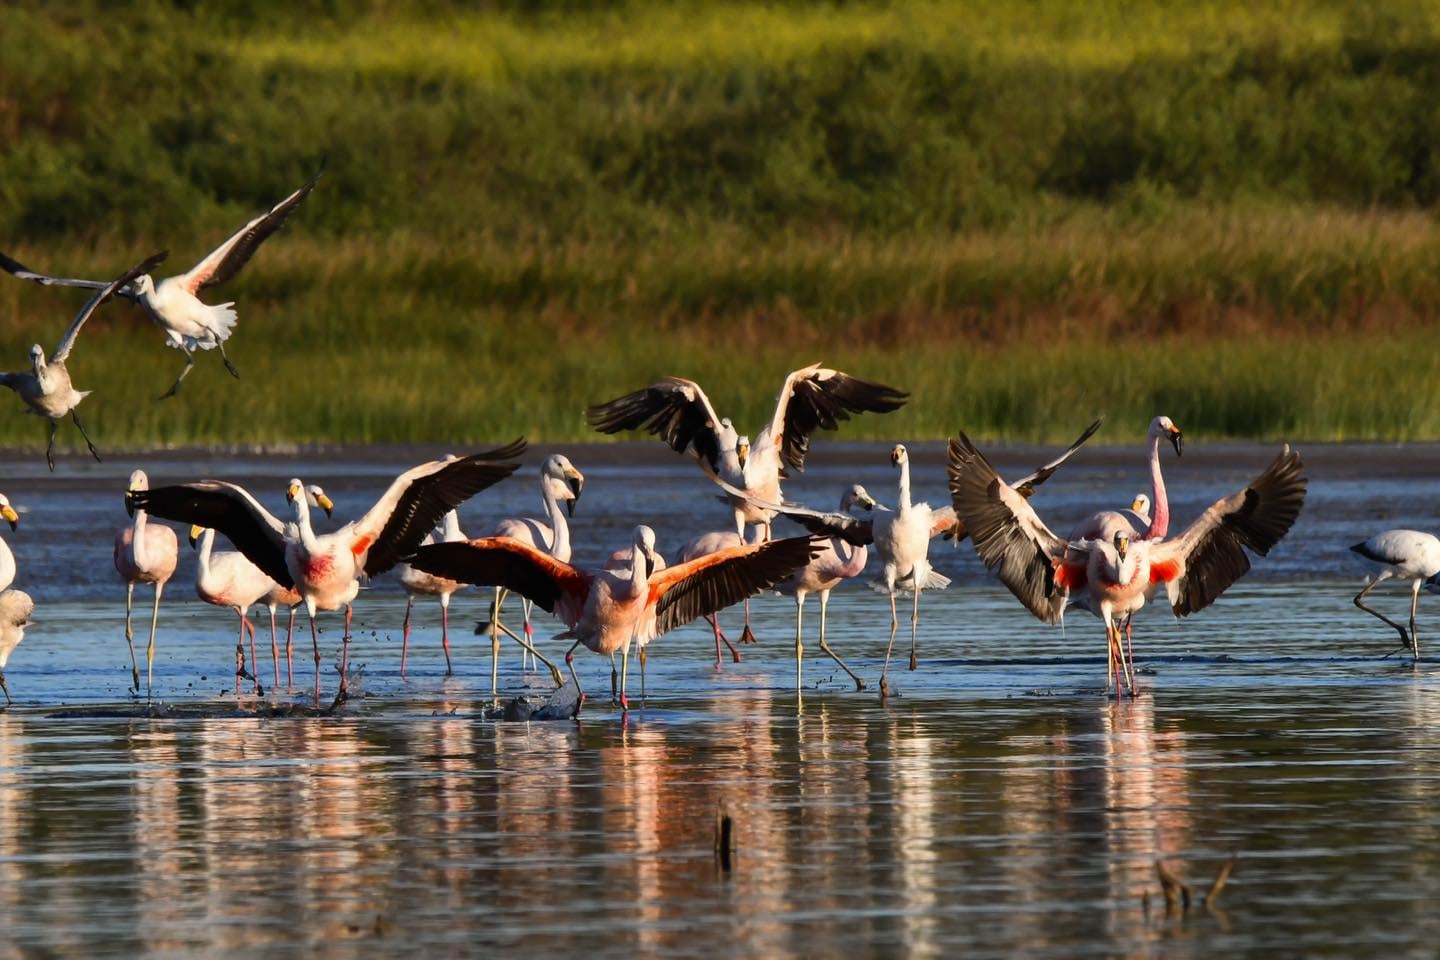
[904,503]
[852,562]
[202,567]
[302,522]
[638,580]
[450,527]
[1159,503]
[137,538]
[559,527]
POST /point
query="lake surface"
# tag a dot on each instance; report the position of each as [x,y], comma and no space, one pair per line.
[999,805]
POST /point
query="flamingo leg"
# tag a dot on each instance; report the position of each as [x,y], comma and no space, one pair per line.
[570,662]
[642,674]
[345,650]
[914,625]
[799,645]
[1360,597]
[714,619]
[315,642]
[894,629]
[150,649]
[130,638]
[254,658]
[290,651]
[825,647]
[614,679]
[50,451]
[75,418]
[240,656]
[746,635]
[445,632]
[189,365]
[527,659]
[274,646]
[624,675]
[495,629]
[554,670]
[1130,654]
[1414,605]
[5,689]
[405,634]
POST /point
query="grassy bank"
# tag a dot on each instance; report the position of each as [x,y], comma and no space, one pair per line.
[1023,213]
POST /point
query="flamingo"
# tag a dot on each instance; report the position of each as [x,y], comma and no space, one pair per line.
[607,610]
[677,411]
[45,388]
[1406,555]
[7,559]
[419,584]
[144,553]
[1041,569]
[902,537]
[325,569]
[227,579]
[1139,522]
[173,303]
[289,597]
[702,546]
[560,483]
[15,609]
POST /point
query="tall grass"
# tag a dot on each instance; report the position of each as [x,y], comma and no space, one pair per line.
[1025,213]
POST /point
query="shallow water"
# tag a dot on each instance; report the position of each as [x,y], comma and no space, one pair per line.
[1000,804]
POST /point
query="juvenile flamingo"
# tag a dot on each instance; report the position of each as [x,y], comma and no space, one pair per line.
[144,553]
[15,609]
[1406,555]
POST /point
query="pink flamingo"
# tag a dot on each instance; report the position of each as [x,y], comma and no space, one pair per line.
[703,546]
[144,553]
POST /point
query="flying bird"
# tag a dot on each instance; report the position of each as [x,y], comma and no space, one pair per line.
[1196,567]
[678,412]
[325,569]
[174,302]
[45,388]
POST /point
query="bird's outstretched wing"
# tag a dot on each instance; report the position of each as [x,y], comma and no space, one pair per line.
[852,530]
[67,342]
[1209,555]
[1025,486]
[420,497]
[713,582]
[505,562]
[1009,536]
[228,509]
[818,398]
[226,260]
[673,409]
[21,272]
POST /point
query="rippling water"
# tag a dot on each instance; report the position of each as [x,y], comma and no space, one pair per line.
[1000,805]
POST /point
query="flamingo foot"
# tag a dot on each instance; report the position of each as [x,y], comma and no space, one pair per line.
[746,636]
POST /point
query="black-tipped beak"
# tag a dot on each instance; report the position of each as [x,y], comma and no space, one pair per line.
[577,487]
[570,507]
[193,539]
[649,564]
[1178,442]
[130,503]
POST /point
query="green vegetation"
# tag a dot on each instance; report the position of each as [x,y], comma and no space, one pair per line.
[1025,213]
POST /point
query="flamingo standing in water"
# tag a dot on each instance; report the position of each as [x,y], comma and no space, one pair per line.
[227,579]
[1117,572]
[607,610]
[325,569]
[678,412]
[144,553]
[1407,555]
[15,609]
[419,584]
[702,546]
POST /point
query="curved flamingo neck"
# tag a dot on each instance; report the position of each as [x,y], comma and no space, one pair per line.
[137,538]
[559,526]
[450,528]
[904,503]
[302,522]
[1159,503]
[202,566]
[639,583]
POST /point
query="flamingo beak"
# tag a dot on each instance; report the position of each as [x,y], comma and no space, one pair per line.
[1122,547]
[742,453]
[13,518]
[293,493]
[1136,504]
[130,503]
[1177,441]
[575,480]
[326,504]
[649,564]
[195,532]
[868,502]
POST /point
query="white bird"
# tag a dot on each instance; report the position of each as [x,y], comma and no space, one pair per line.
[289,598]
[1406,555]
[607,610]
[902,537]
[1041,569]
[1136,521]
[326,568]
[560,482]
[678,412]
[174,302]
[419,584]
[7,559]
[837,562]
[15,609]
[144,553]
[702,546]
[46,388]
[227,579]
[1140,506]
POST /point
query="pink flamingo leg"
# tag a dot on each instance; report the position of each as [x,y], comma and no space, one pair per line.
[345,650]
[714,621]
[254,659]
[405,635]
[290,651]
[445,633]
[274,647]
[746,636]
[315,642]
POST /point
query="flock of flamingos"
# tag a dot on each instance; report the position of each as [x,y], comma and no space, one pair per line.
[1111,564]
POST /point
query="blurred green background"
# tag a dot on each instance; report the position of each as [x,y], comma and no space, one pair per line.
[1025,213]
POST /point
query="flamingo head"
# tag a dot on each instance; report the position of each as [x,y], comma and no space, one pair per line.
[559,474]
[1121,544]
[856,496]
[1141,504]
[315,496]
[899,456]
[295,493]
[645,544]
[742,450]
[8,512]
[195,532]
[1165,427]
[144,285]
[37,357]
[138,482]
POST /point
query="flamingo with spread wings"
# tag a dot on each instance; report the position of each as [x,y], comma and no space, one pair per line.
[606,610]
[1116,572]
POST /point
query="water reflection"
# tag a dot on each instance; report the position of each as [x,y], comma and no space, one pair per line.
[925,828]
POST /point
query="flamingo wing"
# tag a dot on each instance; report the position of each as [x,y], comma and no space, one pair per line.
[690,590]
[419,499]
[19,271]
[228,509]
[1009,536]
[818,398]
[226,260]
[67,342]
[673,409]
[509,563]
[852,530]
[1209,555]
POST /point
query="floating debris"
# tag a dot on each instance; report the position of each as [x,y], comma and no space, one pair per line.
[724,838]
